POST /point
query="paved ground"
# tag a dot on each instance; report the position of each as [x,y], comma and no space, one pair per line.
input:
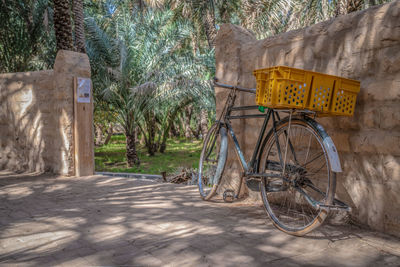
[113,221]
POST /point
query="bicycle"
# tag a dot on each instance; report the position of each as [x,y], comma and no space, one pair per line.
[294,164]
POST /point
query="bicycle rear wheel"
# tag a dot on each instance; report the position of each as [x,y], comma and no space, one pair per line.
[212,161]
[306,177]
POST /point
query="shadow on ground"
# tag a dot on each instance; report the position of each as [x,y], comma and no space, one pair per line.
[123,221]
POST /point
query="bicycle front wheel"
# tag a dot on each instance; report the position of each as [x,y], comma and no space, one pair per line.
[304,178]
[212,161]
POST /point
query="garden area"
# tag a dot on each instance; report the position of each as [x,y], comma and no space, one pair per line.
[180,153]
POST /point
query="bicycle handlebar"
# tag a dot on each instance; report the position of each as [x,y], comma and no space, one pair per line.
[231,87]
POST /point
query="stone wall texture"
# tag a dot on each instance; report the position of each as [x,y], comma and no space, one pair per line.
[36,116]
[364,46]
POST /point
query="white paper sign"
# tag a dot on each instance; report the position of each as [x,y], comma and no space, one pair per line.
[83,90]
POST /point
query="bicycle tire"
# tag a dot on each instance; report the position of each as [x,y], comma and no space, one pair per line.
[209,175]
[276,191]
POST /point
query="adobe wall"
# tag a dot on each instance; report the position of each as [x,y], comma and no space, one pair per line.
[37,115]
[364,46]
[22,120]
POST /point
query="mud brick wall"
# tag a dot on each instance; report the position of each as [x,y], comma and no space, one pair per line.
[36,116]
[364,46]
[22,120]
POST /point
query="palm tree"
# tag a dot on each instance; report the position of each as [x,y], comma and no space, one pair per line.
[146,64]
[79,29]
[62,25]
[25,38]
[200,13]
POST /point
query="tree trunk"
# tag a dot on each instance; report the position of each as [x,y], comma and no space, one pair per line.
[150,128]
[197,133]
[225,15]
[353,5]
[188,116]
[110,132]
[137,132]
[194,44]
[99,135]
[62,25]
[181,126]
[168,127]
[173,130]
[140,4]
[338,8]
[209,26]
[151,146]
[79,26]
[131,153]
[163,146]
[347,6]
[204,122]
[142,140]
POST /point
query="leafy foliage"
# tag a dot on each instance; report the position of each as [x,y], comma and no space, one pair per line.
[148,70]
[26,35]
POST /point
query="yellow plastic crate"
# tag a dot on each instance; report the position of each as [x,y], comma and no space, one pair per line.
[284,87]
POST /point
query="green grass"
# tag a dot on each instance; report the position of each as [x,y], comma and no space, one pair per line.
[179,153]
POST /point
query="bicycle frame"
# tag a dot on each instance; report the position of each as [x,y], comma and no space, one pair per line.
[249,168]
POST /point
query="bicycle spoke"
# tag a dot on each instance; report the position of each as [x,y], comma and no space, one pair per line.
[316,172]
[308,149]
[316,189]
[315,158]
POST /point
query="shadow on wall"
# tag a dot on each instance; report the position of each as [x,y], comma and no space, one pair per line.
[364,46]
[36,118]
[27,122]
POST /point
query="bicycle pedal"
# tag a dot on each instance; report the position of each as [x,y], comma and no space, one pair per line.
[229,195]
